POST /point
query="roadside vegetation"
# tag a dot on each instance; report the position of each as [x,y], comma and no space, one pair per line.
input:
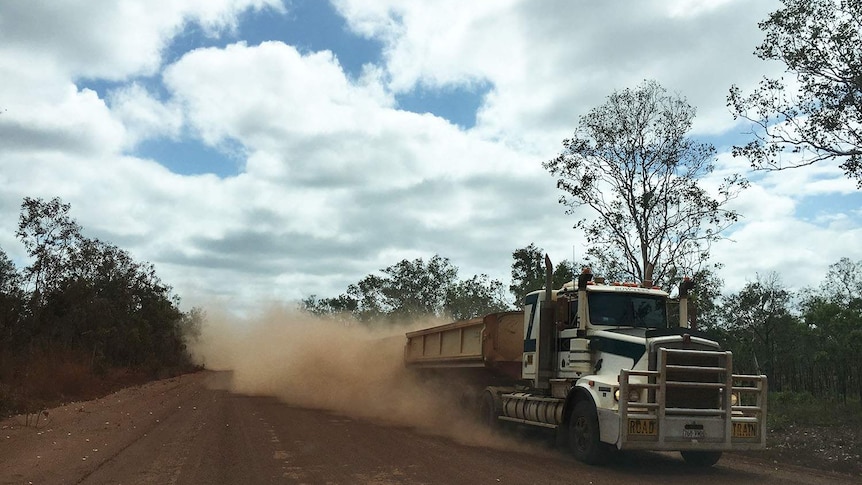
[816,432]
[83,318]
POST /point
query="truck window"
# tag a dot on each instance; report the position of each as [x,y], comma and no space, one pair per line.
[627,310]
[573,313]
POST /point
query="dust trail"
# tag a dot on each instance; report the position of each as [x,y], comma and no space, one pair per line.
[350,369]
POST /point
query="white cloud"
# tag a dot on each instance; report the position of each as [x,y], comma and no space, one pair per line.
[143,115]
[550,62]
[110,39]
[59,118]
[336,181]
[305,122]
[253,93]
[799,251]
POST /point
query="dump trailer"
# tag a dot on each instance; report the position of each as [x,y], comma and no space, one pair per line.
[602,365]
[486,350]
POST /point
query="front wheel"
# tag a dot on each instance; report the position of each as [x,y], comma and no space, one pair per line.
[584,435]
[701,459]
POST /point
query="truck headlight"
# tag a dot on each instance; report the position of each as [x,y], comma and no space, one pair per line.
[634,395]
[734,399]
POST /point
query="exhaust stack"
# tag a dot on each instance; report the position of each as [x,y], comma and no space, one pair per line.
[545,340]
[684,287]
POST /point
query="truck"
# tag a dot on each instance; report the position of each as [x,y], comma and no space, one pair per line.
[604,366]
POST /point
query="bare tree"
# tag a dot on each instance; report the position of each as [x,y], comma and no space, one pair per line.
[630,161]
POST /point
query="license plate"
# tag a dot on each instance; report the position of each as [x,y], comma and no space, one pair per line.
[745,430]
[692,433]
[643,427]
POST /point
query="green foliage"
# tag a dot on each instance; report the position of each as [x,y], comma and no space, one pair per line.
[50,237]
[834,314]
[631,163]
[821,118]
[528,272]
[88,297]
[812,343]
[11,299]
[477,296]
[764,333]
[805,409]
[409,290]
[703,300]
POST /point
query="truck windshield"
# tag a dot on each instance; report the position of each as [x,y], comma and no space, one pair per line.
[627,310]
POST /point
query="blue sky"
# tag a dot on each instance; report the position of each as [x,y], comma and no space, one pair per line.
[260,150]
[310,26]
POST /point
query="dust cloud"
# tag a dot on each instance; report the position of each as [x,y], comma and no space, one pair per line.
[348,368]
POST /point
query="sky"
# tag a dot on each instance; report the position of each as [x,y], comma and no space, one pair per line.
[259,151]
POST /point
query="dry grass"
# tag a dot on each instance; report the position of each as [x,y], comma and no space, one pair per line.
[814,432]
[39,379]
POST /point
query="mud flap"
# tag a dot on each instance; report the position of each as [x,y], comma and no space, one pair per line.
[609,426]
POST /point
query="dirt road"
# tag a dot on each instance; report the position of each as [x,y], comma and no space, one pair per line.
[189,430]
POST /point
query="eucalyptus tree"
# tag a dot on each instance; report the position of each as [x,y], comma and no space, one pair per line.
[413,289]
[816,114]
[632,164]
[528,272]
[763,330]
[11,300]
[474,297]
[834,313]
[89,295]
[50,236]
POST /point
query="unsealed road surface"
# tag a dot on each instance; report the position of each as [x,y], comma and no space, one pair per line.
[189,430]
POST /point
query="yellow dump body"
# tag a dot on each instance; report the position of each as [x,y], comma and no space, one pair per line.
[494,342]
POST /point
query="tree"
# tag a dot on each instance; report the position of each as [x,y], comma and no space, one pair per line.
[11,299]
[479,295]
[632,164]
[91,296]
[834,313]
[819,116]
[414,289]
[341,304]
[528,272]
[49,235]
[703,308]
[762,329]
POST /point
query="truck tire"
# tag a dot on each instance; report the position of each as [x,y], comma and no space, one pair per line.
[584,435]
[488,411]
[701,459]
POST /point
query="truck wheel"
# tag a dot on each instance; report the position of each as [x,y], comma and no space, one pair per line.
[488,411]
[702,459]
[584,435]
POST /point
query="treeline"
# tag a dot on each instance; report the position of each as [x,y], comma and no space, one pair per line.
[810,341]
[84,299]
[411,290]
